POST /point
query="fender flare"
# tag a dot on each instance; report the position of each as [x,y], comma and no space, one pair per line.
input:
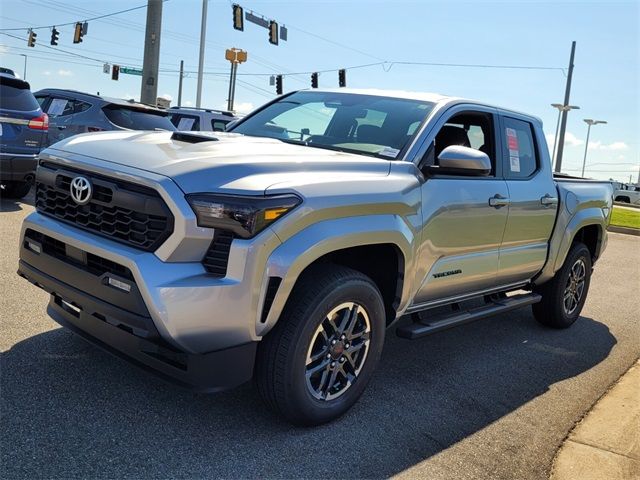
[296,253]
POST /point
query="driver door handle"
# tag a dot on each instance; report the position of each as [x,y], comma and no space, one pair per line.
[498,201]
[61,127]
[548,200]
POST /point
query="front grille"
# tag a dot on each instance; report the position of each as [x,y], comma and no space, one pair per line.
[216,259]
[124,212]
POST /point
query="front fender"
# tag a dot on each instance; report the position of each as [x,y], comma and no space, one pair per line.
[291,258]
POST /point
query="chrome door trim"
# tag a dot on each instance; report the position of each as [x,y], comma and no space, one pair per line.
[464,296]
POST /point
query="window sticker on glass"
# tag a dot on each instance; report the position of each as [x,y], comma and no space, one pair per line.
[57,107]
[389,152]
[512,139]
[514,163]
[186,123]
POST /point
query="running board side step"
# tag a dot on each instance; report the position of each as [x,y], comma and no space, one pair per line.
[422,328]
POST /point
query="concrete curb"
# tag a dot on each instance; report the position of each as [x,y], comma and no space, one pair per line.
[625,230]
[606,443]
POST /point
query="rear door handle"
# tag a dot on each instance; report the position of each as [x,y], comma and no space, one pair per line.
[548,200]
[61,127]
[498,201]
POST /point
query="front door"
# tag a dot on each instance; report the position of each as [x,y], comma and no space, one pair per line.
[463,227]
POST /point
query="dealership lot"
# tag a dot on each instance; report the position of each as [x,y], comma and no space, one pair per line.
[492,399]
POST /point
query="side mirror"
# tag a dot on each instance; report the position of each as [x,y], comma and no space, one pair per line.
[457,160]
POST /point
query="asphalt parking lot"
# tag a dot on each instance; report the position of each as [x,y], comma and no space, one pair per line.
[493,399]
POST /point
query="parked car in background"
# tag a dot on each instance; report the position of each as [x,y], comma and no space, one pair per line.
[8,71]
[23,127]
[628,194]
[200,119]
[71,112]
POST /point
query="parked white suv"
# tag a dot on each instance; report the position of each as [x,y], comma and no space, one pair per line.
[200,119]
[632,195]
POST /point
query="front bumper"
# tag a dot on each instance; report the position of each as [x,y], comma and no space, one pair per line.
[132,336]
[17,167]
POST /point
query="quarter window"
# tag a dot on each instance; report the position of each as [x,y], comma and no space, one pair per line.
[519,149]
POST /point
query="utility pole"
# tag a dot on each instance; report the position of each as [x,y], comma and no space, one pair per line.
[203,35]
[180,83]
[236,56]
[563,123]
[151,61]
[24,73]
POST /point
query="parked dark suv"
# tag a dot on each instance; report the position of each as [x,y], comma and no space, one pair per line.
[71,112]
[23,128]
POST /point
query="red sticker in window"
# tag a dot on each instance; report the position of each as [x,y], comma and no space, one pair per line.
[512,139]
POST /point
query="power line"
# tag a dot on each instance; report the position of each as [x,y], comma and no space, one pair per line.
[81,21]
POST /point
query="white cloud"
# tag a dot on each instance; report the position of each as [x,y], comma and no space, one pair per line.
[188,103]
[166,96]
[46,72]
[3,49]
[65,73]
[615,146]
[570,140]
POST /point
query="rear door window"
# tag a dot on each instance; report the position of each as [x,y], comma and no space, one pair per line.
[185,122]
[137,119]
[12,98]
[519,149]
[218,125]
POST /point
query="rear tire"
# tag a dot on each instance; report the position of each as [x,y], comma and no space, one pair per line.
[15,190]
[308,368]
[564,295]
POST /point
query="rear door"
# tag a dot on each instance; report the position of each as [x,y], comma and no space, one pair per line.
[22,126]
[533,199]
[60,109]
[137,117]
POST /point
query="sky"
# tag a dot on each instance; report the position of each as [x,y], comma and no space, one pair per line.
[369,38]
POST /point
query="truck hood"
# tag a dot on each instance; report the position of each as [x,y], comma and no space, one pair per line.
[230,163]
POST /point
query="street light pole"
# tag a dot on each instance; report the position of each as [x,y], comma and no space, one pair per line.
[589,122]
[561,108]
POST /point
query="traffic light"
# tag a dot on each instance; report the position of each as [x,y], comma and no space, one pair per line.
[238,17]
[279,84]
[77,33]
[54,36]
[115,72]
[31,42]
[342,77]
[314,80]
[273,32]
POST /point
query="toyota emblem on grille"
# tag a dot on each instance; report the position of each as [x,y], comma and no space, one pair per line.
[81,190]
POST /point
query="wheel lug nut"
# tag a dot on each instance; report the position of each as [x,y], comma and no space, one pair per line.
[333,364]
[328,355]
[333,342]
[342,359]
[346,345]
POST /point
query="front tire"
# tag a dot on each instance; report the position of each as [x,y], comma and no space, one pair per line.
[316,362]
[564,295]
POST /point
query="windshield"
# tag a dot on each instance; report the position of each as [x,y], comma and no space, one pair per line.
[365,124]
[134,119]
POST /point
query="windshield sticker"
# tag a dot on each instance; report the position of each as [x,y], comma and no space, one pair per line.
[514,162]
[186,123]
[389,152]
[57,107]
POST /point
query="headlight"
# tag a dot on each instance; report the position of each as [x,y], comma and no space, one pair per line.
[245,216]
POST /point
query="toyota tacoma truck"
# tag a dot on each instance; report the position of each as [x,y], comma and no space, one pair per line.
[285,249]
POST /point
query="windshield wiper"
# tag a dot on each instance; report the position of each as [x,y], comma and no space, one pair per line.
[333,148]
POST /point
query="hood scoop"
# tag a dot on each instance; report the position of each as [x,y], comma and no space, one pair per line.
[194,137]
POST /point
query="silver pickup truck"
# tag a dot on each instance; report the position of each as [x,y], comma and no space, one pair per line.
[285,249]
